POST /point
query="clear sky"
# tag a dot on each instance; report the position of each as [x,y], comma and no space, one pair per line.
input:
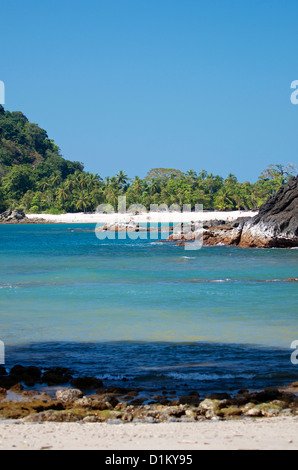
[137,84]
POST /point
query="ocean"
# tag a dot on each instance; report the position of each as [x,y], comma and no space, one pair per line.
[147,314]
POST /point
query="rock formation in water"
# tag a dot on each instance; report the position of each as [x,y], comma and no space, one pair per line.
[18,217]
[275,225]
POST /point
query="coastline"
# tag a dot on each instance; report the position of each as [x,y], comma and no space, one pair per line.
[187,433]
[71,420]
[145,217]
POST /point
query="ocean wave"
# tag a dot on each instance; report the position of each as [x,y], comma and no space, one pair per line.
[207,377]
[112,377]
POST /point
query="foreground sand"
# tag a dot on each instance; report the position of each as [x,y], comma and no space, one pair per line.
[263,434]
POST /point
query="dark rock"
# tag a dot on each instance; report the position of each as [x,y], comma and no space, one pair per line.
[2,371]
[12,215]
[190,400]
[6,381]
[29,375]
[33,372]
[276,224]
[269,394]
[87,383]
[138,401]
[213,223]
[226,403]
[240,222]
[56,376]
[219,396]
[18,216]
[242,399]
[17,371]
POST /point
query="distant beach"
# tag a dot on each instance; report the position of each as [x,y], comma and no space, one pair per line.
[145,217]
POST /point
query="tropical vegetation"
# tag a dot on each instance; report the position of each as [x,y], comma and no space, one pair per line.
[36,178]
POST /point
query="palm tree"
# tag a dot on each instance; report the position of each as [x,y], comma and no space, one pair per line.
[83,201]
[122,179]
[55,179]
[155,186]
[191,176]
[43,185]
[62,194]
[224,200]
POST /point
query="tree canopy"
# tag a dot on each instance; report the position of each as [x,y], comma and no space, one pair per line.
[35,177]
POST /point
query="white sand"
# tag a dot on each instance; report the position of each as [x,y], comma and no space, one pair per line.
[154,217]
[280,433]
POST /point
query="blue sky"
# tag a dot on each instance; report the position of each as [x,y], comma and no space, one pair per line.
[137,84]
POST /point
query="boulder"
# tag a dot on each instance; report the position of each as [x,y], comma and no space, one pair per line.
[209,408]
[28,375]
[10,216]
[87,383]
[17,216]
[56,376]
[68,395]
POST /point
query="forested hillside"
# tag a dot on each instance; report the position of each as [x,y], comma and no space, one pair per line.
[36,178]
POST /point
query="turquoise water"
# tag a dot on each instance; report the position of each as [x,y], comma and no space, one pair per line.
[147,312]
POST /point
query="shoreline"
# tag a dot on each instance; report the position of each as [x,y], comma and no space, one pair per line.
[148,217]
[86,399]
[85,417]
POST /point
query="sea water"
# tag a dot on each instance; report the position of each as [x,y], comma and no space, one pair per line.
[145,313]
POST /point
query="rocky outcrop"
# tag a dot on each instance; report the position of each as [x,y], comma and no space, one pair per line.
[123,405]
[275,225]
[72,406]
[130,226]
[121,227]
[18,217]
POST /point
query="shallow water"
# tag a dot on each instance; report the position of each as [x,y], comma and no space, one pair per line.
[145,313]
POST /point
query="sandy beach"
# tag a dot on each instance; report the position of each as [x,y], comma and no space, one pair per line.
[280,433]
[153,217]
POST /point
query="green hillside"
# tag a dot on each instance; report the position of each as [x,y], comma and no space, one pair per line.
[36,178]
